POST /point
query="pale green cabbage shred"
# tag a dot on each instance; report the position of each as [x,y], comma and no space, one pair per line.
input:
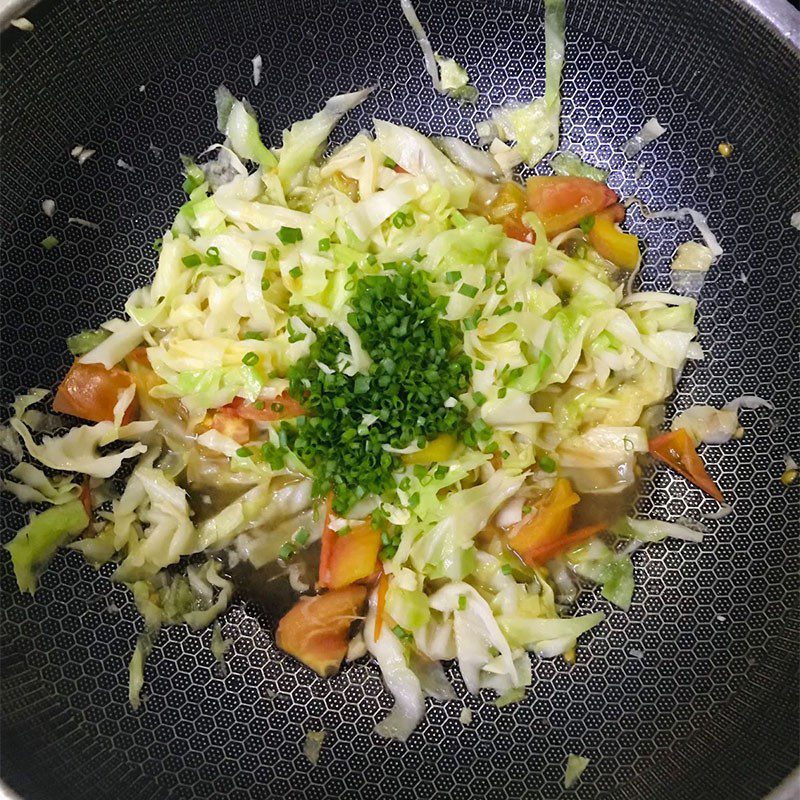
[587,363]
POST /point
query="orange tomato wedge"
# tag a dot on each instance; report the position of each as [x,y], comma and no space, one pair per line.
[284,406]
[618,247]
[383,587]
[316,629]
[544,552]
[676,449]
[562,202]
[90,391]
[232,426]
[351,557]
[507,209]
[550,523]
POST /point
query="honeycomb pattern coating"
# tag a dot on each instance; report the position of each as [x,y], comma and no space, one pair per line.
[673,699]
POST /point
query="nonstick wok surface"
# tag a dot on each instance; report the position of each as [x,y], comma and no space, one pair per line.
[691,694]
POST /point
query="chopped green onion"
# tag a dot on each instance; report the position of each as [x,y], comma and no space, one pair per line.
[389,162]
[401,633]
[324,245]
[302,536]
[244,452]
[462,602]
[454,276]
[258,255]
[192,260]
[257,335]
[290,235]
[546,464]
[587,223]
[212,256]
[479,398]
[286,551]
[468,290]
[296,272]
[250,359]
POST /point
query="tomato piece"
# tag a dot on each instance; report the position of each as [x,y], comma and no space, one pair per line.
[236,428]
[544,552]
[348,558]
[90,391]
[562,202]
[328,542]
[550,522]
[284,406]
[507,209]
[86,498]
[139,355]
[353,556]
[676,449]
[618,247]
[316,629]
[380,606]
[399,170]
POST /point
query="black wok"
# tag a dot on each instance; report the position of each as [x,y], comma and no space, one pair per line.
[693,693]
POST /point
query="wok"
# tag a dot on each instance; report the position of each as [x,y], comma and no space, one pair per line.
[693,693]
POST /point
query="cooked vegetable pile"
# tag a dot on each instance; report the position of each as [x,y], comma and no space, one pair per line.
[413,384]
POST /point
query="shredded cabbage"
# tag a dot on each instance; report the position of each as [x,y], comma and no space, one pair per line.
[574,769]
[650,132]
[454,80]
[35,545]
[708,424]
[567,163]
[423,41]
[535,126]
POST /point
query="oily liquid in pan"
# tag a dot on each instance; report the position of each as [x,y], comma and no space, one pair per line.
[270,586]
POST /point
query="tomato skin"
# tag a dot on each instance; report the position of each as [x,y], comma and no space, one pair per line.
[618,247]
[239,407]
[549,524]
[676,449]
[544,552]
[315,630]
[383,587]
[90,392]
[562,202]
[86,498]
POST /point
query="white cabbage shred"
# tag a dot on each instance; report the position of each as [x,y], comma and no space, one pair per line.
[651,130]
[574,769]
